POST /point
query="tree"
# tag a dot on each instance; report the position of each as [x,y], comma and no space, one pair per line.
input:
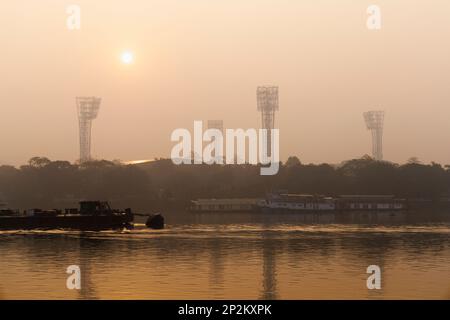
[293,161]
[38,162]
[160,184]
[413,160]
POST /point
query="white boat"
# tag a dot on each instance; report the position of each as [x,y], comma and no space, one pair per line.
[371,203]
[224,205]
[287,202]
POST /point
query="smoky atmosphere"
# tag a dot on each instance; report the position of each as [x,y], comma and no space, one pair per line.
[221,158]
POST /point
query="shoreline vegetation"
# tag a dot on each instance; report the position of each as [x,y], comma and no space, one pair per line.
[160,184]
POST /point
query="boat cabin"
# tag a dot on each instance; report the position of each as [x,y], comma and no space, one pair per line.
[94,207]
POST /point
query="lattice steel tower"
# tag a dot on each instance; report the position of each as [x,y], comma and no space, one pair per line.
[267,100]
[216,124]
[87,111]
[374,122]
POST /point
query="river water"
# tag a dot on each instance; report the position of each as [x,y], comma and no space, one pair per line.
[236,256]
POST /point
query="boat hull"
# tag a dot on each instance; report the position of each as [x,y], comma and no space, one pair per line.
[289,210]
[325,211]
[76,222]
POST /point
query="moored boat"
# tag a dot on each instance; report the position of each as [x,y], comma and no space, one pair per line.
[287,202]
[283,202]
[224,205]
[370,203]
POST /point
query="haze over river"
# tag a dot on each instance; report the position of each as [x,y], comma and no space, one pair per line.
[236,256]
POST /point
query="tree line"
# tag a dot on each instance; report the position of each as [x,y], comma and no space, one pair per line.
[43,183]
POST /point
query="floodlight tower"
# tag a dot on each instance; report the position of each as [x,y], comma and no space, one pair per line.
[267,100]
[374,122]
[87,111]
[216,124]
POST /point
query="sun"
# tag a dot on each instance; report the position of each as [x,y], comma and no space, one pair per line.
[127,57]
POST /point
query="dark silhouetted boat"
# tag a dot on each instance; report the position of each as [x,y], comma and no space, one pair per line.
[92,216]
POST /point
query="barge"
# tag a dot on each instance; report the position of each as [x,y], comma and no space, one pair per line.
[224,205]
[370,203]
[91,216]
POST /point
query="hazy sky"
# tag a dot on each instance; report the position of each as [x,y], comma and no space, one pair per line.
[203,59]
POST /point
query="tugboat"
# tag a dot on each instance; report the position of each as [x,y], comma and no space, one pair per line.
[92,216]
[155,221]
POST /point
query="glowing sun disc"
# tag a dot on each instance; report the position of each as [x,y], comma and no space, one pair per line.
[127,57]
